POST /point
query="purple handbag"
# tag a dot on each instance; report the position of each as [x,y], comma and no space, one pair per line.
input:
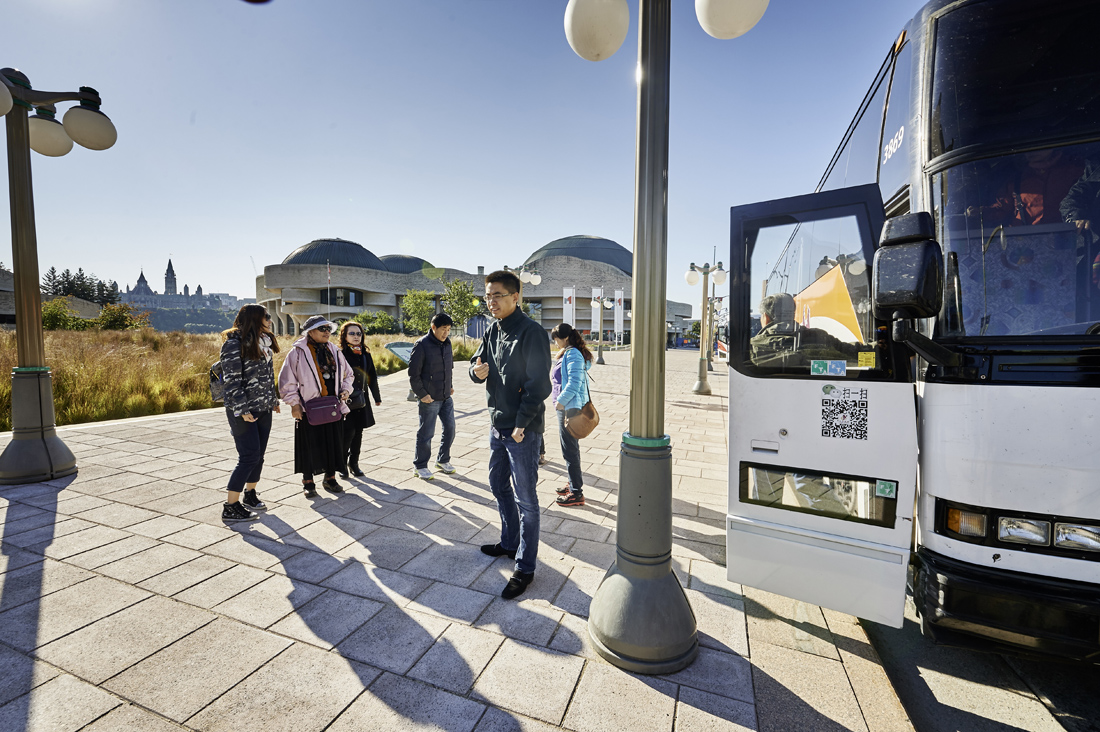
[322,410]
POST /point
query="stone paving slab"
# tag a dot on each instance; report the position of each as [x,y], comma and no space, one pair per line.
[123,594]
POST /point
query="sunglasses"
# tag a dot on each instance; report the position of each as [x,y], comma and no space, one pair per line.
[324,329]
[267,317]
[355,333]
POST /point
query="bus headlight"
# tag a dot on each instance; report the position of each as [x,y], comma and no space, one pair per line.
[1077,536]
[1024,531]
[966,523]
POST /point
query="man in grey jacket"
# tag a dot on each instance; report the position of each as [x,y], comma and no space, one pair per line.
[514,364]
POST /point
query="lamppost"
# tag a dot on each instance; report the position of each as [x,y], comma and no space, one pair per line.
[600,303]
[640,618]
[692,277]
[35,452]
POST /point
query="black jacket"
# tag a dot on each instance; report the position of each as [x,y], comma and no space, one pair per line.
[431,368]
[518,353]
[366,376]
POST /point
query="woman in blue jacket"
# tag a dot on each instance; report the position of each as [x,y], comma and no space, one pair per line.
[569,377]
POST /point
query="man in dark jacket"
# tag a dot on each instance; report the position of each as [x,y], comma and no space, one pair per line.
[514,364]
[430,367]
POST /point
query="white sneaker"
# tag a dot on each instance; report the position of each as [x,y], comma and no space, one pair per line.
[424,474]
[445,467]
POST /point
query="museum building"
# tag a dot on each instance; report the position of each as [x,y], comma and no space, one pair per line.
[338,278]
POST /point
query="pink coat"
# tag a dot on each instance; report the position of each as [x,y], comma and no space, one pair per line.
[299,381]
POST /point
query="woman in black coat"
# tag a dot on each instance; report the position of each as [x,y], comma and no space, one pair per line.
[362,364]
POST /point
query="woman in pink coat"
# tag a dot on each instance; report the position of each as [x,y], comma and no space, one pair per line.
[314,368]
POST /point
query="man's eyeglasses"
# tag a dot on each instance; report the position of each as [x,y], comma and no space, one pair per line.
[497,296]
[325,329]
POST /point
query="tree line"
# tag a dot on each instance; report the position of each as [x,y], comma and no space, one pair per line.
[79,284]
[418,306]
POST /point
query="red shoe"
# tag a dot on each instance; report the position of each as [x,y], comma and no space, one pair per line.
[564,490]
[573,499]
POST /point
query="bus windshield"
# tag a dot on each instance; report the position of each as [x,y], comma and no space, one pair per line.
[1015,70]
[1021,236]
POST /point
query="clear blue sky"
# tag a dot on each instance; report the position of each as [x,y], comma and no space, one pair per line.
[466,132]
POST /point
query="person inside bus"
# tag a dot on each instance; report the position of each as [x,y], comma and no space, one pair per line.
[1034,191]
[1081,207]
[783,342]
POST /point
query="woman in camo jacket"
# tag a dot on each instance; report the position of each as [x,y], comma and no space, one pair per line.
[248,372]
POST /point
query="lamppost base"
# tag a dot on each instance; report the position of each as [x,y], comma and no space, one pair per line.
[640,619]
[710,366]
[701,387]
[643,624]
[35,453]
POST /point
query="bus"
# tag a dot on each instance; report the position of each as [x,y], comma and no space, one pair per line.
[921,405]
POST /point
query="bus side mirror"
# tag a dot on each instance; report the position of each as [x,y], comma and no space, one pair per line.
[907,279]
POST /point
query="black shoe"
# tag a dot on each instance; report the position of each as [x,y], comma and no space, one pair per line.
[233,512]
[565,490]
[331,485]
[517,585]
[356,471]
[344,474]
[496,550]
[573,499]
[252,501]
[310,488]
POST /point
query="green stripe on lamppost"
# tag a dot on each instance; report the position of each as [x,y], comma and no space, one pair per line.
[640,619]
[35,452]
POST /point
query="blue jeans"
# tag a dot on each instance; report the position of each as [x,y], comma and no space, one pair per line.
[571,451]
[251,441]
[445,410]
[513,473]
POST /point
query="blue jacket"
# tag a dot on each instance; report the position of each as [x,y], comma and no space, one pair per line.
[574,379]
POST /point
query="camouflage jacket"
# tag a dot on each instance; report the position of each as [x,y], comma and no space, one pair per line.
[251,389]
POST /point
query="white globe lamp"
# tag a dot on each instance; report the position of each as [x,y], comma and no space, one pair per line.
[724,19]
[47,136]
[536,279]
[5,99]
[90,128]
[692,277]
[596,29]
[719,275]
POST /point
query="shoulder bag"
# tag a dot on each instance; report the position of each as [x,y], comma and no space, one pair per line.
[581,424]
[323,409]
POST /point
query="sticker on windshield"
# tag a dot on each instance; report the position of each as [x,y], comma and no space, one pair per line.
[828,368]
[886,489]
[867,359]
[843,412]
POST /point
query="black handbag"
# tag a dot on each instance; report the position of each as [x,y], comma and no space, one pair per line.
[358,399]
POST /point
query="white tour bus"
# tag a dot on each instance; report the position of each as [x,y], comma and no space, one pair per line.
[922,403]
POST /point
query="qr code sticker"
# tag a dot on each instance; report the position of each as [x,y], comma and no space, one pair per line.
[845,419]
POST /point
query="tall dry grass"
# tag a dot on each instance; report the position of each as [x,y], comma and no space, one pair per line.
[102,375]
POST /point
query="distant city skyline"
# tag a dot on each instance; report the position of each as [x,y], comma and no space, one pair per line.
[464,132]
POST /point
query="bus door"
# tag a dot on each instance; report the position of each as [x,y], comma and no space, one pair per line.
[823,430]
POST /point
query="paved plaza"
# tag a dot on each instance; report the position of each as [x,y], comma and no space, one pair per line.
[126,604]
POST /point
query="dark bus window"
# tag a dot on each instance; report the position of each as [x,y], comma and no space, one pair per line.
[1017,261]
[857,162]
[894,159]
[1016,70]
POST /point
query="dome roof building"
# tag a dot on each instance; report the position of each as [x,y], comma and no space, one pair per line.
[405,263]
[339,279]
[589,248]
[335,253]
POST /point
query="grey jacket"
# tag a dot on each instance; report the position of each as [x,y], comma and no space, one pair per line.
[250,390]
